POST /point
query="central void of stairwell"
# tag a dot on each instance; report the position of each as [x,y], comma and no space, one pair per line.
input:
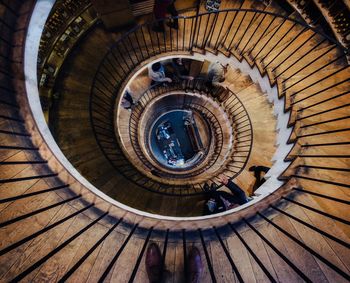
[175,141]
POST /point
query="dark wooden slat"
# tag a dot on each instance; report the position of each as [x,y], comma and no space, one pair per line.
[184,253]
[88,253]
[319,211]
[23,162]
[138,261]
[210,267]
[322,196]
[164,253]
[311,251]
[33,194]
[347,245]
[14,133]
[115,258]
[56,250]
[324,181]
[13,220]
[234,267]
[267,273]
[38,233]
[2,181]
[281,255]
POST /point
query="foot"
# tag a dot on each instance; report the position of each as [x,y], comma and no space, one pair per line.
[153,263]
[195,266]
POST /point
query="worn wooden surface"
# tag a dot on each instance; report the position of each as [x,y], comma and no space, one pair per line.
[25,255]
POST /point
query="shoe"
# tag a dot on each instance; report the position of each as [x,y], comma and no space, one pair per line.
[195,266]
[154,263]
[259,169]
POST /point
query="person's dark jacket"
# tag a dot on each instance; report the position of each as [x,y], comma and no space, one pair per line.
[238,197]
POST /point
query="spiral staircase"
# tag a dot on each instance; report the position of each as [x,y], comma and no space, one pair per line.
[82,216]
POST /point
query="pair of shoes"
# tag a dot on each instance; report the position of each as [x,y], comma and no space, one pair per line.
[195,266]
[154,265]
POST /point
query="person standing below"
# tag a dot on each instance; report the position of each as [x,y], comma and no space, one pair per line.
[216,74]
[156,73]
[155,265]
[161,8]
[127,100]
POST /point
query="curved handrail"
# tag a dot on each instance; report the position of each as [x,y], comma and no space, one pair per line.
[134,56]
[217,90]
[306,145]
[44,142]
[148,24]
[123,57]
[137,27]
[184,85]
[197,85]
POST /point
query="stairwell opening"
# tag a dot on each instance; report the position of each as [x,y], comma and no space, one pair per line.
[244,64]
[48,215]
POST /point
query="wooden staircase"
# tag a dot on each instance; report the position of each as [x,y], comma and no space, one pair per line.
[53,229]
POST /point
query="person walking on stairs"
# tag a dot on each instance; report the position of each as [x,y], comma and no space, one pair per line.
[154,265]
[127,100]
[216,74]
[219,201]
[180,70]
[157,74]
[161,8]
[259,179]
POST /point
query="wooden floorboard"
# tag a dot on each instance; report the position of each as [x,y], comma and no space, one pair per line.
[87,158]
